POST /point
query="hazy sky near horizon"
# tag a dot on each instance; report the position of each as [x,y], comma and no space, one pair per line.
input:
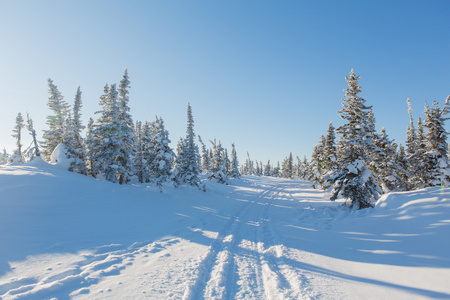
[266,75]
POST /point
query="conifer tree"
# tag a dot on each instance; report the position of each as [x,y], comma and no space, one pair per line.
[4,157]
[205,159]
[417,162]
[436,159]
[353,179]
[390,173]
[189,170]
[73,140]
[57,122]
[35,152]
[139,159]
[161,166]
[127,154]
[107,147]
[148,137]
[329,160]
[234,163]
[410,133]
[227,162]
[268,169]
[217,171]
[89,143]
[276,170]
[17,156]
[287,167]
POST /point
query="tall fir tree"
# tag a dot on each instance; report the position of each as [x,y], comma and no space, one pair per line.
[57,122]
[127,154]
[73,140]
[187,165]
[352,178]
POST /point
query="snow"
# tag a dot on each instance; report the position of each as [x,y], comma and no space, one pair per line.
[64,235]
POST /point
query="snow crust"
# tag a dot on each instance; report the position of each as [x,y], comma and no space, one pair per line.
[64,235]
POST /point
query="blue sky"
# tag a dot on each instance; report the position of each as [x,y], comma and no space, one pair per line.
[266,75]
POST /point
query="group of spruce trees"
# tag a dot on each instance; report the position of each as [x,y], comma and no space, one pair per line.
[119,150]
[362,164]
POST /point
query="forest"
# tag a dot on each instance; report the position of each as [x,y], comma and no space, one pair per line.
[352,161]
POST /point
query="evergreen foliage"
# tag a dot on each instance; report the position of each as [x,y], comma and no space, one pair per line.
[352,178]
[57,122]
[287,167]
[187,169]
[217,169]
[17,156]
[161,165]
[234,163]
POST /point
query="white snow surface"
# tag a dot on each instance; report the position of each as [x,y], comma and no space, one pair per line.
[67,236]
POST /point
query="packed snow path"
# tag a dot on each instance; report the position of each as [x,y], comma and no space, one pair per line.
[65,236]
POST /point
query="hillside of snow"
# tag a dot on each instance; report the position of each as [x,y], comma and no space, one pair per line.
[68,236]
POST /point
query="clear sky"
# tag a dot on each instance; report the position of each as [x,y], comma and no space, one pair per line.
[266,75]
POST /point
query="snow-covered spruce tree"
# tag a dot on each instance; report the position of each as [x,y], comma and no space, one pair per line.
[410,133]
[329,159]
[417,162]
[357,183]
[205,157]
[127,154]
[258,171]
[179,162]
[139,158]
[402,161]
[73,140]
[187,165]
[268,169]
[390,173]
[90,142]
[161,166]
[226,162]
[276,170]
[353,179]
[436,159]
[4,157]
[234,163]
[315,167]
[17,157]
[217,168]
[107,148]
[148,135]
[287,167]
[57,122]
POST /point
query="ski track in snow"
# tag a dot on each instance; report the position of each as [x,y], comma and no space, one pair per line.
[238,268]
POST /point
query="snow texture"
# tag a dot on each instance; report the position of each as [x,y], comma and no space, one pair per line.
[67,236]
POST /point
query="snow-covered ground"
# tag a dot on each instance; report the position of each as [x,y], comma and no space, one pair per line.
[64,235]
